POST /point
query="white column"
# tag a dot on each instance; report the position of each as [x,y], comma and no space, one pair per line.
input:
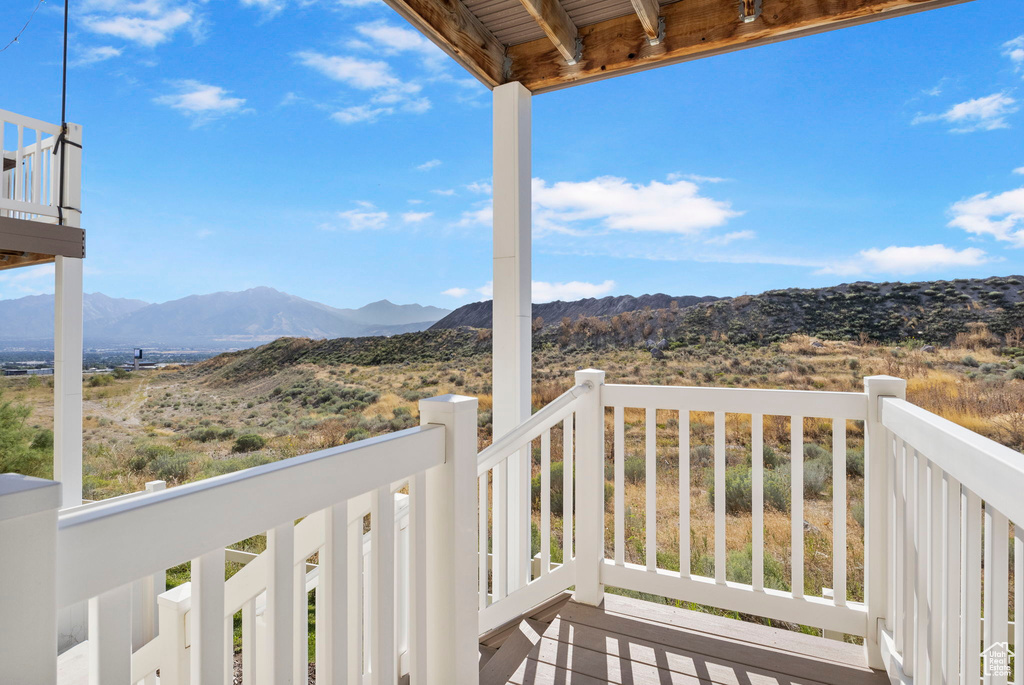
[590,490]
[512,314]
[28,580]
[67,379]
[876,511]
[451,546]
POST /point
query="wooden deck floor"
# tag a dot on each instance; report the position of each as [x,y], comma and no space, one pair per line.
[631,642]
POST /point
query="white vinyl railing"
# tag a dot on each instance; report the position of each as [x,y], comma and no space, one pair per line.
[953,496]
[103,548]
[30,186]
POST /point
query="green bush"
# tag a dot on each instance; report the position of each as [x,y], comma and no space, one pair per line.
[813,451]
[968,360]
[739,568]
[702,455]
[249,442]
[17,454]
[175,466]
[635,468]
[1017,373]
[557,488]
[208,434]
[855,463]
[771,457]
[817,476]
[43,440]
[98,380]
[858,513]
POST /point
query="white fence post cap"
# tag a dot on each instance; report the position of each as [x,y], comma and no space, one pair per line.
[24,495]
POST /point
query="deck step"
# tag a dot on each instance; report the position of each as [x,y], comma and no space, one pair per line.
[512,653]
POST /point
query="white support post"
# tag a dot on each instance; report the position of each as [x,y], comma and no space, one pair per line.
[877,491]
[28,579]
[451,545]
[144,594]
[511,309]
[67,379]
[110,637]
[175,635]
[590,490]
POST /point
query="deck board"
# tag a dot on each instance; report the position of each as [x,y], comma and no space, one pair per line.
[630,642]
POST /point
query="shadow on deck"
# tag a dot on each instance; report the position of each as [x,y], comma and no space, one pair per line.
[632,642]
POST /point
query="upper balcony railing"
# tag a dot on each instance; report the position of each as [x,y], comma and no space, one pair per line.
[417,552]
[30,187]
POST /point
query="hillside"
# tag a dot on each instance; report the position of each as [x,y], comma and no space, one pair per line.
[478,314]
[933,312]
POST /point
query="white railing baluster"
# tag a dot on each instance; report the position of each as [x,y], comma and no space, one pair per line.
[619,441]
[996,565]
[208,617]
[900,525]
[17,174]
[909,559]
[229,651]
[1018,602]
[757,500]
[418,580]
[356,581]
[332,600]
[839,511]
[300,618]
[499,517]
[970,554]
[567,488]
[482,529]
[110,637]
[796,473]
[719,451]
[37,168]
[892,517]
[684,493]
[935,594]
[280,604]
[382,587]
[951,611]
[249,643]
[545,502]
[651,490]
[920,578]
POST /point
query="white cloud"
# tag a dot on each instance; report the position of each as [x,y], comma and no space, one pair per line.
[548,292]
[269,7]
[907,260]
[727,238]
[355,72]
[1000,216]
[981,114]
[617,205]
[365,218]
[697,178]
[1014,50]
[416,217]
[146,22]
[1019,170]
[446,192]
[97,54]
[360,113]
[480,187]
[396,39]
[202,101]
[456,292]
[431,164]
[32,280]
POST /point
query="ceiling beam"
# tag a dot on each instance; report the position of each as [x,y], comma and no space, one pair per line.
[455,29]
[647,11]
[693,29]
[557,25]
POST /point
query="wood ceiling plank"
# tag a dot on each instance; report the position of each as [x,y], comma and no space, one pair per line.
[557,25]
[693,29]
[455,29]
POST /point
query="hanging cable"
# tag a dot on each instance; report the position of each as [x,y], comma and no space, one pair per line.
[30,17]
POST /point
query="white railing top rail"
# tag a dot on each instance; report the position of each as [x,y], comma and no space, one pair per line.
[992,471]
[29,122]
[531,428]
[99,545]
[811,403]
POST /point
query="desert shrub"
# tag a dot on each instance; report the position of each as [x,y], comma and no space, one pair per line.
[855,463]
[249,442]
[813,451]
[356,434]
[990,368]
[771,457]
[776,489]
[635,469]
[858,513]
[739,568]
[16,452]
[968,360]
[1016,373]
[172,466]
[557,488]
[43,440]
[217,467]
[99,380]
[817,476]
[208,434]
[120,374]
[739,494]
[702,455]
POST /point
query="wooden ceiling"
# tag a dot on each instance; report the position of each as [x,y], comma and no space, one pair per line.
[551,44]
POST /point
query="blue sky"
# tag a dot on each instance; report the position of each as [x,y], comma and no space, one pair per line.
[323,148]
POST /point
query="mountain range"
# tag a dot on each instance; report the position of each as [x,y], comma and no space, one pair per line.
[215,321]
